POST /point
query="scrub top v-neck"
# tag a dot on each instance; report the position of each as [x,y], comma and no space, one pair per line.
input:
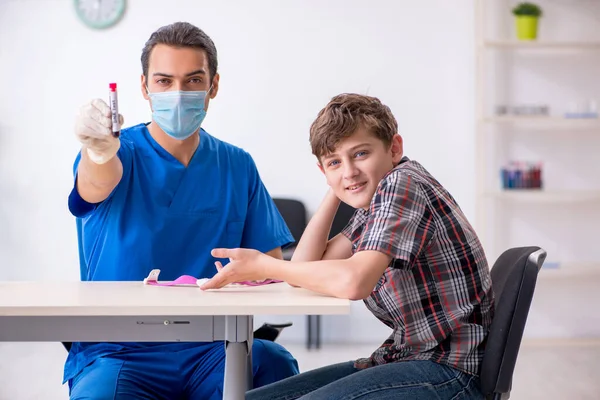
[163,215]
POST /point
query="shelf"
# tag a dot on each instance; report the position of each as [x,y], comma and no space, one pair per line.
[534,45]
[569,270]
[542,122]
[544,196]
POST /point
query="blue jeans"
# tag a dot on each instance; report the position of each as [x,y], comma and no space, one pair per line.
[170,372]
[414,380]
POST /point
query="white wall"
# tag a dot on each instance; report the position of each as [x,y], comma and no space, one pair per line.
[280,62]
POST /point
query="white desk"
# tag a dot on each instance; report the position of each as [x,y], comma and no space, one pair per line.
[131,311]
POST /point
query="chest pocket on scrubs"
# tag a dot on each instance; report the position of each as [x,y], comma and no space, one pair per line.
[233,233]
[198,198]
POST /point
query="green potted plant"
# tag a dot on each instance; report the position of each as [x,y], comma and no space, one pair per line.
[526,18]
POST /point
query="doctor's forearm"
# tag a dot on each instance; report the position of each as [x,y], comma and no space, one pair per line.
[95,182]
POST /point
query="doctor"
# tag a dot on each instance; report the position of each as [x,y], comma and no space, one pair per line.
[161,196]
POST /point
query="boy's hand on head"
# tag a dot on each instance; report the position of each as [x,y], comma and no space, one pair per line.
[331,196]
[244,265]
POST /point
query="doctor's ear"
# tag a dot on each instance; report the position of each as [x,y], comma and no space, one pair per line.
[214,87]
[144,87]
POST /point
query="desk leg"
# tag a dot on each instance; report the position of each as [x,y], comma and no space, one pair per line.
[309,332]
[238,357]
[313,332]
[318,332]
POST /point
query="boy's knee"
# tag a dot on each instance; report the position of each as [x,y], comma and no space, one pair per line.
[271,362]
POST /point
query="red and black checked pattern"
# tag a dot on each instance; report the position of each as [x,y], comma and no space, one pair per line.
[436,294]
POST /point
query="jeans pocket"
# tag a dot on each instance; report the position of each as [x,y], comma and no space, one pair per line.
[470,387]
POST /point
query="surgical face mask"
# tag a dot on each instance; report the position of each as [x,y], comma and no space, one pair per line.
[178,113]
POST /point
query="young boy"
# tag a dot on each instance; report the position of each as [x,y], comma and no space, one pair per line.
[408,252]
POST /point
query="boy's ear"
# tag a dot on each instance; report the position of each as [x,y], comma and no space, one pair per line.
[397,149]
[323,171]
[320,167]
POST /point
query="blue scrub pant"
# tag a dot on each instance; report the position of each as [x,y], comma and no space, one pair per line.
[190,373]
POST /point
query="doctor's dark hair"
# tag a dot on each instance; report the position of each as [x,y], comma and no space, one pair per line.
[344,115]
[181,34]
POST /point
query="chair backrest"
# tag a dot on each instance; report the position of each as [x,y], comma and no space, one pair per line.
[293,213]
[514,276]
[342,216]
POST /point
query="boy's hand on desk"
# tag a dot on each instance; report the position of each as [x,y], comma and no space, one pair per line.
[244,265]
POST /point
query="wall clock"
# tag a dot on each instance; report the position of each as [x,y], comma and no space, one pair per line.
[100,14]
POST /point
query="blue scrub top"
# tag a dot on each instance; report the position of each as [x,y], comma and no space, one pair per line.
[165,216]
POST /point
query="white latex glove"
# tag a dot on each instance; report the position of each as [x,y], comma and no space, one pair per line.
[93,129]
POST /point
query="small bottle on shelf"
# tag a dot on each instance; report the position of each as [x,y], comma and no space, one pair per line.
[521,175]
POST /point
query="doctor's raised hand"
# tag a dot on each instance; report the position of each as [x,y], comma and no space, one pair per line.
[93,129]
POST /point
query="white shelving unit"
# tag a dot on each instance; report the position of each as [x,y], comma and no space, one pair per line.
[537,45]
[545,196]
[547,123]
[494,206]
[571,270]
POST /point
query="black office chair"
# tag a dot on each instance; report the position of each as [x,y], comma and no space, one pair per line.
[514,276]
[293,213]
[341,219]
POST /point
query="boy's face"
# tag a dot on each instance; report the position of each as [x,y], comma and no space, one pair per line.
[358,164]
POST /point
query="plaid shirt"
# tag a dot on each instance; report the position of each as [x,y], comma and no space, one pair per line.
[436,294]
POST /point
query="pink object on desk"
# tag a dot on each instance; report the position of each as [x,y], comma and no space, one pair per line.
[188,280]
